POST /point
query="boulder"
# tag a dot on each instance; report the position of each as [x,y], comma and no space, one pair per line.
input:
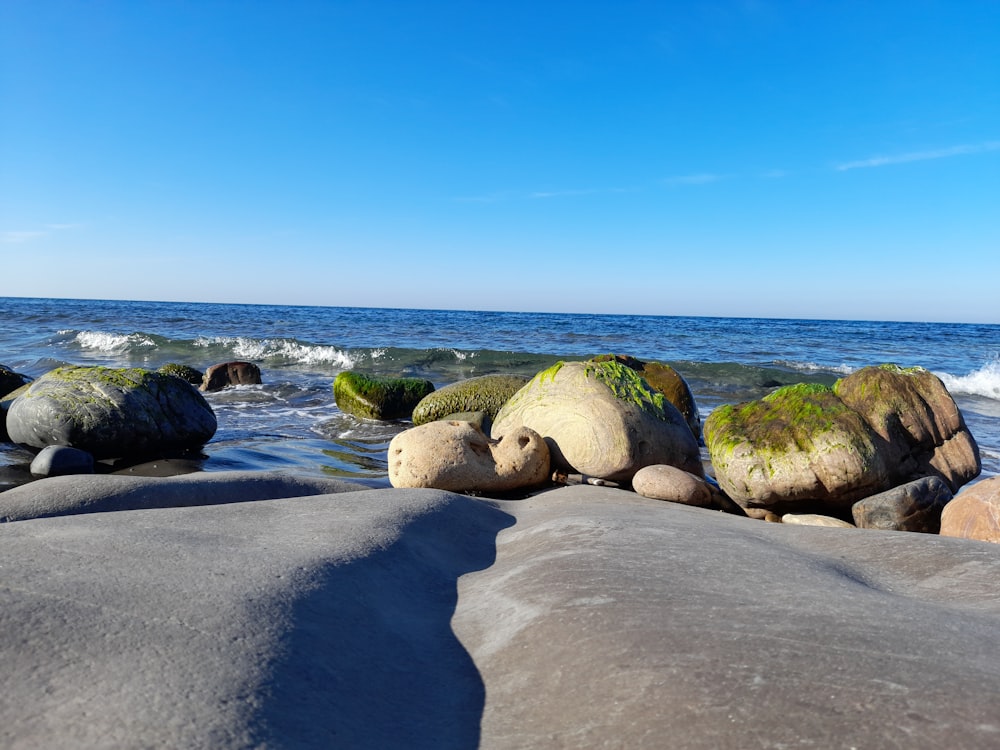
[601,419]
[486,393]
[815,519]
[58,460]
[914,506]
[10,380]
[798,449]
[5,402]
[111,413]
[920,429]
[187,373]
[974,513]
[458,456]
[372,397]
[663,482]
[219,376]
[668,381]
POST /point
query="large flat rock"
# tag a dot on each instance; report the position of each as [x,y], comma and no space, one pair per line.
[582,617]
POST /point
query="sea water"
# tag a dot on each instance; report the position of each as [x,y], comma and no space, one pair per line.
[291,421]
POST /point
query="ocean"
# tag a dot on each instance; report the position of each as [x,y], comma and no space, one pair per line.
[291,421]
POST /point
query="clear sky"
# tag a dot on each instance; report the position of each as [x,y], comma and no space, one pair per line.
[733,158]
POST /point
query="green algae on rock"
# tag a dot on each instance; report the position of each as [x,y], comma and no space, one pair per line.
[372,397]
[111,412]
[486,394]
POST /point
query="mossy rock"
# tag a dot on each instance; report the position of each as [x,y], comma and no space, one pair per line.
[601,419]
[666,380]
[372,397]
[920,428]
[111,412]
[184,372]
[799,449]
[486,393]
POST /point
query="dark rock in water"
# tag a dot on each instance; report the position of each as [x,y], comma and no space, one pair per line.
[5,403]
[921,430]
[666,380]
[914,506]
[373,397]
[219,376]
[486,393]
[184,372]
[58,460]
[11,381]
[111,412]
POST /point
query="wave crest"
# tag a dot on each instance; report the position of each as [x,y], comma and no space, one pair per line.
[982,382]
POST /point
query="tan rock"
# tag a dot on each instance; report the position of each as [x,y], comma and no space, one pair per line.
[456,455]
[974,513]
[664,482]
[814,519]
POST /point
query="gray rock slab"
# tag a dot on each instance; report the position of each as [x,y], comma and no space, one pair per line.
[315,622]
[66,495]
[613,621]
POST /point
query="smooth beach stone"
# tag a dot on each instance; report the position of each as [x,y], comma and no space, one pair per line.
[225,374]
[56,460]
[798,449]
[11,381]
[486,393]
[459,456]
[921,429]
[815,519]
[666,380]
[5,403]
[974,513]
[111,413]
[601,419]
[372,397]
[185,372]
[914,506]
[663,482]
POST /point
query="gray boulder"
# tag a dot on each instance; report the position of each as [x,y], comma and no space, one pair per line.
[914,506]
[110,413]
[57,460]
[601,419]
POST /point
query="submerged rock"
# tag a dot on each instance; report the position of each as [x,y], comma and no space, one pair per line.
[219,376]
[458,456]
[110,413]
[601,419]
[372,397]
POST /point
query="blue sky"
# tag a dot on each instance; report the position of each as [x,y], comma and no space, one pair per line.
[779,159]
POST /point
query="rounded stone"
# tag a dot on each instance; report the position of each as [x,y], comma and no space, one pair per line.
[486,393]
[974,513]
[60,460]
[815,519]
[664,482]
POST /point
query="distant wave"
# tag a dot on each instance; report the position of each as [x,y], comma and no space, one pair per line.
[112,342]
[289,350]
[812,367]
[982,382]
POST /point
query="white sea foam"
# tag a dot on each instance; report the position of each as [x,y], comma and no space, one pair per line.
[288,349]
[813,367]
[103,341]
[982,382]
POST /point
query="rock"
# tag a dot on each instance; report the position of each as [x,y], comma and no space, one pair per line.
[187,373]
[11,381]
[663,482]
[459,456]
[5,403]
[111,413]
[974,513]
[225,374]
[106,493]
[480,419]
[920,429]
[601,419]
[486,393]
[668,381]
[372,397]
[914,506]
[815,519]
[56,460]
[798,449]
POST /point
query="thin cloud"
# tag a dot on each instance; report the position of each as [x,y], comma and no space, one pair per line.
[15,237]
[704,178]
[943,153]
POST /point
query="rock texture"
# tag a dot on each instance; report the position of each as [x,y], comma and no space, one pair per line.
[601,419]
[457,455]
[110,413]
[663,482]
[372,397]
[914,506]
[974,513]
[225,374]
[57,460]
[582,617]
[485,394]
